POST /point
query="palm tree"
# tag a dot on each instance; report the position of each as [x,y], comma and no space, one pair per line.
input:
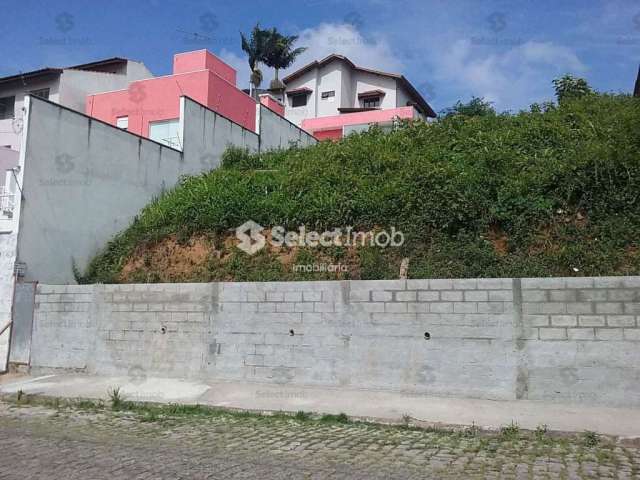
[255,48]
[280,53]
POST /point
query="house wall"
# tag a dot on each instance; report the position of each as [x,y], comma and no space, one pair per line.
[84,181]
[297,114]
[158,99]
[363,82]
[203,60]
[276,132]
[11,129]
[569,340]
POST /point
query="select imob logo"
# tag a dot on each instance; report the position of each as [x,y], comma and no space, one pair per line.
[252,240]
[250,236]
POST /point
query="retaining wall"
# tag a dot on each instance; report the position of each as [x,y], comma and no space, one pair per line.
[556,339]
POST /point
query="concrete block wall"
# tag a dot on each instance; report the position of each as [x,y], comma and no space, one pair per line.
[537,339]
[581,339]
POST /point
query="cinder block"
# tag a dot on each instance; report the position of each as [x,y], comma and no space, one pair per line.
[631,282]
[592,295]
[501,296]
[591,320]
[465,307]
[476,296]
[382,296]
[542,283]
[451,295]
[580,307]
[324,307]
[275,296]
[418,284]
[609,334]
[535,295]
[429,296]
[622,295]
[491,307]
[536,320]
[395,307]
[303,307]
[406,296]
[562,295]
[552,333]
[632,308]
[311,296]
[564,320]
[380,284]
[292,296]
[266,307]
[441,307]
[581,333]
[495,283]
[360,296]
[531,308]
[256,296]
[621,321]
[415,307]
[609,307]
[579,282]
[285,307]
[441,284]
[465,284]
[552,308]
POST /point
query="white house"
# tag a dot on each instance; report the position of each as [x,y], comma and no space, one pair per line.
[332,96]
[67,86]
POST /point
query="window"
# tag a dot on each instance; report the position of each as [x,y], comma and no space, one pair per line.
[328,95]
[371,102]
[6,107]
[42,93]
[166,132]
[122,122]
[299,100]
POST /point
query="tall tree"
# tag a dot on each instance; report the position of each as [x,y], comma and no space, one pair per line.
[255,47]
[569,87]
[636,90]
[279,53]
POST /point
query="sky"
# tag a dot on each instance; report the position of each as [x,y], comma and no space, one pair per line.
[505,51]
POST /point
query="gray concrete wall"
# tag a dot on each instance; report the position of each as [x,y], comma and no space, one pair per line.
[84,180]
[277,132]
[565,340]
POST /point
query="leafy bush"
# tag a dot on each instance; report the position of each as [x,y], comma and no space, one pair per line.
[550,191]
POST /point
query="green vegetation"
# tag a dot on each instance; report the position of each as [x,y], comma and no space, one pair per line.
[548,192]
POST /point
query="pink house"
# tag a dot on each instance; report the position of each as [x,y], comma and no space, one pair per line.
[151,107]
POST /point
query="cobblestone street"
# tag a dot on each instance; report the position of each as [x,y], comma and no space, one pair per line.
[38,442]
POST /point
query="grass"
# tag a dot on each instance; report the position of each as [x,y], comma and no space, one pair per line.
[537,193]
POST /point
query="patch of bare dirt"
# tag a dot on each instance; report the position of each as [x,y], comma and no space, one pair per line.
[169,259]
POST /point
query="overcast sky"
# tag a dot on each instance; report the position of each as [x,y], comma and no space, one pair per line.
[505,51]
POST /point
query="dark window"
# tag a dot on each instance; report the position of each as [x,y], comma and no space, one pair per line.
[371,102]
[329,94]
[7,105]
[299,100]
[42,93]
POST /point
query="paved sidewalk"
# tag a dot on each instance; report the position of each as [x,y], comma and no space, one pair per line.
[384,406]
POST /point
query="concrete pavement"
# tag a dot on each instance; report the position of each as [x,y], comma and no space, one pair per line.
[374,405]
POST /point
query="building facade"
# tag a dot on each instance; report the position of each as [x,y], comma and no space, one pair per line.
[333,96]
[67,86]
[151,107]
